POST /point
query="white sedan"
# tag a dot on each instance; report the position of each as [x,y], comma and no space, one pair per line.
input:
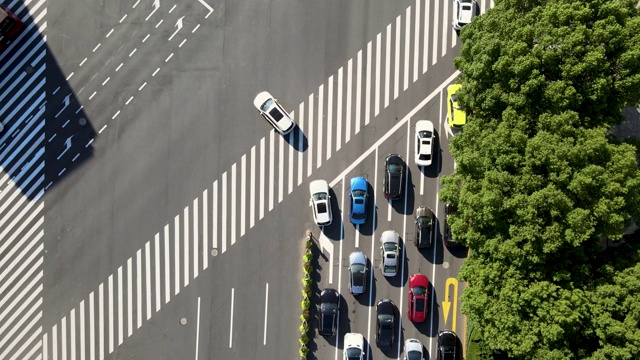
[320,202]
[412,349]
[424,142]
[353,346]
[463,13]
[273,112]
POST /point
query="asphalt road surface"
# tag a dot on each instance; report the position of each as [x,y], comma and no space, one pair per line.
[149,212]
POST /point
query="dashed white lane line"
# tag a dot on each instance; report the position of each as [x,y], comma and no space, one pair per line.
[252,188]
[215,215]
[129,305]
[110,309]
[156,245]
[147,263]
[224,212]
[176,258]
[234,194]
[205,229]
[138,295]
[281,166]
[120,314]
[231,322]
[243,194]
[271,168]
[300,139]
[198,328]
[266,312]
[167,266]
[100,319]
[185,234]
[262,176]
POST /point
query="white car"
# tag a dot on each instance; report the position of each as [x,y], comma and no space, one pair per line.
[320,202]
[353,346]
[463,12]
[273,112]
[389,252]
[424,142]
[412,349]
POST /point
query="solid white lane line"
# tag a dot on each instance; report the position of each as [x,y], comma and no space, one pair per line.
[389,210]
[54,342]
[243,194]
[185,235]
[329,115]
[396,62]
[138,289]
[387,67]
[92,327]
[300,139]
[378,59]
[176,256]
[347,132]
[290,163]
[407,41]
[223,210]
[425,48]
[156,251]
[454,37]
[196,240]
[205,229]
[64,338]
[147,265]
[421,182]
[252,188]
[234,195]
[339,111]
[434,38]
[214,215]
[271,168]
[100,321]
[357,236]
[373,235]
[262,176]
[310,137]
[82,330]
[367,91]
[320,125]
[231,322]
[445,27]
[129,299]
[120,310]
[266,310]
[358,90]
[167,266]
[110,309]
[416,41]
[198,329]
[341,240]
[281,166]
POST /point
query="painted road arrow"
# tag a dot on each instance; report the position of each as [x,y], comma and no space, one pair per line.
[179,26]
[207,6]
[156,5]
[446,304]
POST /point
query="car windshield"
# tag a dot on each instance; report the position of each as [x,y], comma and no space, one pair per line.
[320,196]
[266,105]
[389,269]
[419,291]
[353,353]
[414,355]
[276,114]
[358,193]
[424,133]
[358,215]
[357,268]
[425,157]
[424,221]
[322,208]
[389,246]
[328,307]
[395,168]
[454,97]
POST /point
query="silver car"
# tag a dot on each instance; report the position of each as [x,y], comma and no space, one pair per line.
[273,112]
[389,252]
[357,273]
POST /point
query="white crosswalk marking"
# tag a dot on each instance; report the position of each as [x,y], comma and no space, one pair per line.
[322,134]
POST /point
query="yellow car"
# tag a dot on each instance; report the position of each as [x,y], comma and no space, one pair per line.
[456,117]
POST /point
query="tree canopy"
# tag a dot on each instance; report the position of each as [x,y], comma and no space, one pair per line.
[539,182]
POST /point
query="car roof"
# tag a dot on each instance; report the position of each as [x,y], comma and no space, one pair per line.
[358,183]
[318,186]
[423,211]
[418,280]
[466,12]
[261,98]
[390,236]
[357,257]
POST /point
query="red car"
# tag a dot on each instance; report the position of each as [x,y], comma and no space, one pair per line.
[418,293]
[10,27]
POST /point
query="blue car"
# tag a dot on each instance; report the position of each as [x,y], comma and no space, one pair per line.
[358,195]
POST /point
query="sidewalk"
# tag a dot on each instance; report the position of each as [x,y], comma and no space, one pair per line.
[631,126]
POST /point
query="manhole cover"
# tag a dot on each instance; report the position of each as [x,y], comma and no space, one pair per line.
[183,321]
[29,69]
[82,121]
[214,252]
[445,265]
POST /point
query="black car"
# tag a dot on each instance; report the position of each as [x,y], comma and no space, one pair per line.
[385,321]
[424,227]
[328,314]
[393,177]
[448,239]
[447,345]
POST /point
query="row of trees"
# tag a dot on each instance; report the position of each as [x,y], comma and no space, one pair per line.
[540,181]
